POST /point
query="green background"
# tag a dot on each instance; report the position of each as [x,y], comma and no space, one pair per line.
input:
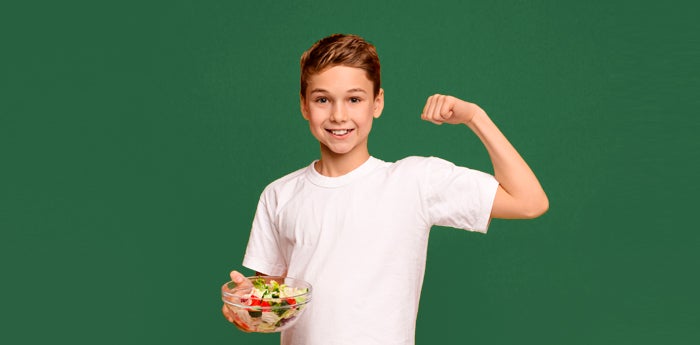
[135,139]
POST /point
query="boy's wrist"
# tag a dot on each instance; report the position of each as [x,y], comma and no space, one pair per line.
[478,118]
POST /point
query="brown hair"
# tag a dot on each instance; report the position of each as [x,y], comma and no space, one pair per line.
[340,50]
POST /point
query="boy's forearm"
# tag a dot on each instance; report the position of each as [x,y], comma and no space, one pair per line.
[526,198]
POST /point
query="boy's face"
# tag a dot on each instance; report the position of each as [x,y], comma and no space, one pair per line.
[340,106]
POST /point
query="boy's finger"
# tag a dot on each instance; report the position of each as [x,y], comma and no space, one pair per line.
[427,115]
[424,114]
[446,107]
[227,313]
[237,277]
[434,109]
[447,115]
[441,108]
[429,106]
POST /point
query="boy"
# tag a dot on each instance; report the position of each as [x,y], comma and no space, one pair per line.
[356,227]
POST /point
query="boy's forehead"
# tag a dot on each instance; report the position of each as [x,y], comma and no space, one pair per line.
[352,77]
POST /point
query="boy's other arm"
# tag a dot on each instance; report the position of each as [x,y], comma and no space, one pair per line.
[519,193]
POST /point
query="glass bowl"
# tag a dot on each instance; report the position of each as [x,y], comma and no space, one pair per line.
[266,304]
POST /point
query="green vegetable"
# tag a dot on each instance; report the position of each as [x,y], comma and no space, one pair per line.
[259,284]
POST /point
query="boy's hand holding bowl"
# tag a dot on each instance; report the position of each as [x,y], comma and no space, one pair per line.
[264,304]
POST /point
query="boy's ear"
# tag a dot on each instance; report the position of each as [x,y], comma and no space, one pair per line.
[379,103]
[304,109]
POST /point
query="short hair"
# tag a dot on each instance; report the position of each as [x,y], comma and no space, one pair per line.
[340,50]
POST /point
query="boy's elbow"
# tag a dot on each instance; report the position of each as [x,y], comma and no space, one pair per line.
[537,208]
[508,207]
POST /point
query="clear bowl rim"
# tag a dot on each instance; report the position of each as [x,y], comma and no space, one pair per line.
[279,279]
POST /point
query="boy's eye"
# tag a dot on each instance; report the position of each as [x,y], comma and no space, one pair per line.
[354,100]
[322,100]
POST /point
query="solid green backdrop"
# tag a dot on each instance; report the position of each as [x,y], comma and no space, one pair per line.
[136,139]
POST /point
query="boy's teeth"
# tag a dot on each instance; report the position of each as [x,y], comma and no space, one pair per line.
[339,131]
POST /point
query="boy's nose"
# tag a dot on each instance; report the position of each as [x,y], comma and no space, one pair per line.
[338,114]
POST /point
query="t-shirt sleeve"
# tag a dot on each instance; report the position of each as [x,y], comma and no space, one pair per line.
[263,252]
[459,197]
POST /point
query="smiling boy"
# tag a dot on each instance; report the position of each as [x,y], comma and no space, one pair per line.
[340,106]
[357,227]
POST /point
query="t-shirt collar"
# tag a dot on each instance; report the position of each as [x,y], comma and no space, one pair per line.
[333,182]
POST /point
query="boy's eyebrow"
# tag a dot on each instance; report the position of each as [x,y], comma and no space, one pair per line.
[357,89]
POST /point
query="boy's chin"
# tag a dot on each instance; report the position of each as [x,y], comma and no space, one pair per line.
[339,150]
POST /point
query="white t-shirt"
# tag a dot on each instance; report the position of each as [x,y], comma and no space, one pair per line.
[361,241]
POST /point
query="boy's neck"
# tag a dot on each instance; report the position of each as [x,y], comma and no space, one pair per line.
[332,164]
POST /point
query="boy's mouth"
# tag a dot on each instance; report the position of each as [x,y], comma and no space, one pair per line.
[339,132]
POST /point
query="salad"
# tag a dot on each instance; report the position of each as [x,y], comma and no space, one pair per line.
[268,306]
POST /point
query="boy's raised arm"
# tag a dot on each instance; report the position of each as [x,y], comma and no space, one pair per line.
[519,193]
